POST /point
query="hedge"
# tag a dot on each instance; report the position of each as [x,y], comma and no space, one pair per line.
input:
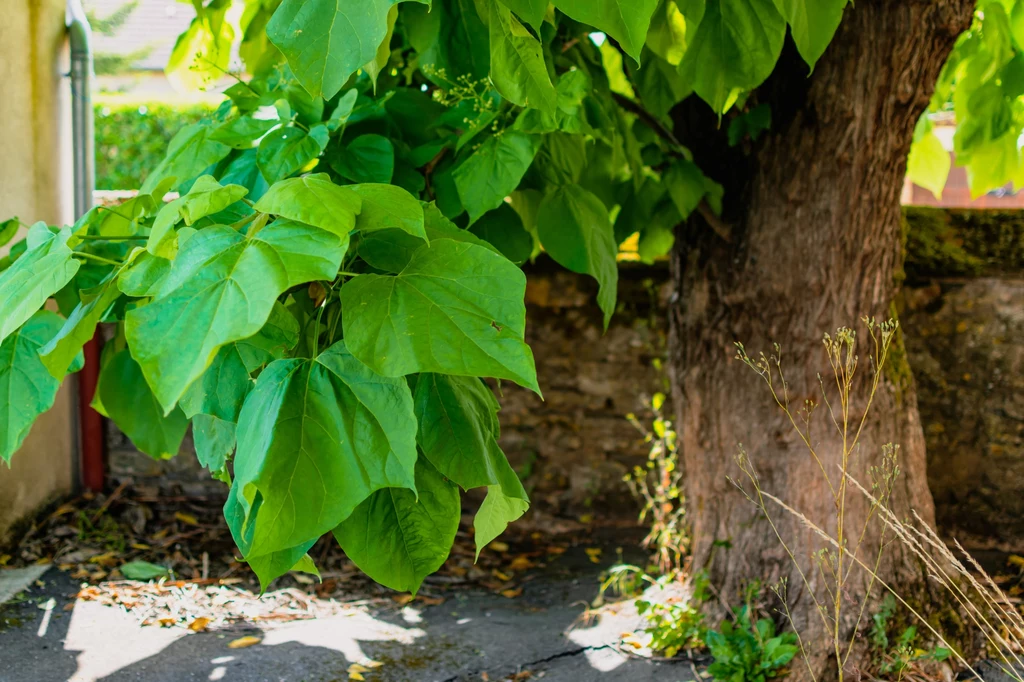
[132,135]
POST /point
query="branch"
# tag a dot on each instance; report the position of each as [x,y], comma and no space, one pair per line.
[719,226]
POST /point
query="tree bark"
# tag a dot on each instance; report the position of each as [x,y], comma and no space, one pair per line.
[816,245]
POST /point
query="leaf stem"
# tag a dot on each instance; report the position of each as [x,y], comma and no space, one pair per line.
[98,259]
[112,238]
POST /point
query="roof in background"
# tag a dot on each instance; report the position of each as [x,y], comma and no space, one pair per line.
[155,24]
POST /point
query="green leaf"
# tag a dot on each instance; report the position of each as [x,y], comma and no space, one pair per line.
[812,24]
[189,153]
[383,55]
[456,308]
[733,50]
[222,388]
[40,272]
[242,132]
[267,567]
[392,249]
[143,570]
[494,171]
[458,430]
[686,186]
[284,152]
[504,503]
[202,54]
[929,163]
[314,200]
[625,20]
[61,350]
[503,228]
[206,197]
[214,440]
[368,158]
[574,227]
[450,38]
[670,26]
[8,228]
[659,85]
[315,439]
[530,11]
[326,41]
[128,400]
[387,206]
[517,62]
[27,389]
[144,276]
[342,112]
[397,536]
[222,288]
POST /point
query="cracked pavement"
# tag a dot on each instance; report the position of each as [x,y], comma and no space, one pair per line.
[470,634]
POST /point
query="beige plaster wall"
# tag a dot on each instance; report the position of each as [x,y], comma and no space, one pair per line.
[35,185]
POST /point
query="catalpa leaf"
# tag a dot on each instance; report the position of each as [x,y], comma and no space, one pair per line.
[205,197]
[812,24]
[214,440]
[315,439]
[314,200]
[222,288]
[397,536]
[267,567]
[517,62]
[222,388]
[367,158]
[284,152]
[242,132]
[387,206]
[505,502]
[190,152]
[734,49]
[61,350]
[326,41]
[625,20]
[530,11]
[458,429]
[27,389]
[574,227]
[128,400]
[494,170]
[40,272]
[391,249]
[456,308]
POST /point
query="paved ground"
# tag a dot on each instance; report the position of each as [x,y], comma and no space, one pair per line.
[472,633]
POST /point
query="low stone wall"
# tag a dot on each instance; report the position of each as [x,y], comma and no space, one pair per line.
[963,313]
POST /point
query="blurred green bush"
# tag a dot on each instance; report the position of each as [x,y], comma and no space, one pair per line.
[132,133]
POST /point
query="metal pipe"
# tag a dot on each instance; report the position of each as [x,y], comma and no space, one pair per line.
[90,465]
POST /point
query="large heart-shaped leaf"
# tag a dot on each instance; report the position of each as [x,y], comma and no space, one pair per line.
[456,308]
[494,170]
[314,200]
[128,400]
[284,152]
[326,41]
[625,20]
[387,206]
[574,227]
[27,389]
[222,288]
[397,536]
[733,50]
[812,24]
[40,272]
[80,327]
[315,439]
[189,153]
[517,62]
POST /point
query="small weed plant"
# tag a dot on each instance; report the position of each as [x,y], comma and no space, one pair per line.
[749,650]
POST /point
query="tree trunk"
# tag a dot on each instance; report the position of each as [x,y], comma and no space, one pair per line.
[816,244]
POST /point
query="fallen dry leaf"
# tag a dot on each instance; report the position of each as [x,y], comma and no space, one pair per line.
[402,599]
[498,546]
[244,642]
[199,624]
[187,519]
[512,593]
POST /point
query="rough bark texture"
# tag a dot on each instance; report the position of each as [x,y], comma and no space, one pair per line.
[816,245]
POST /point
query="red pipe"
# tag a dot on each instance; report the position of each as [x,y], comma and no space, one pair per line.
[90,421]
